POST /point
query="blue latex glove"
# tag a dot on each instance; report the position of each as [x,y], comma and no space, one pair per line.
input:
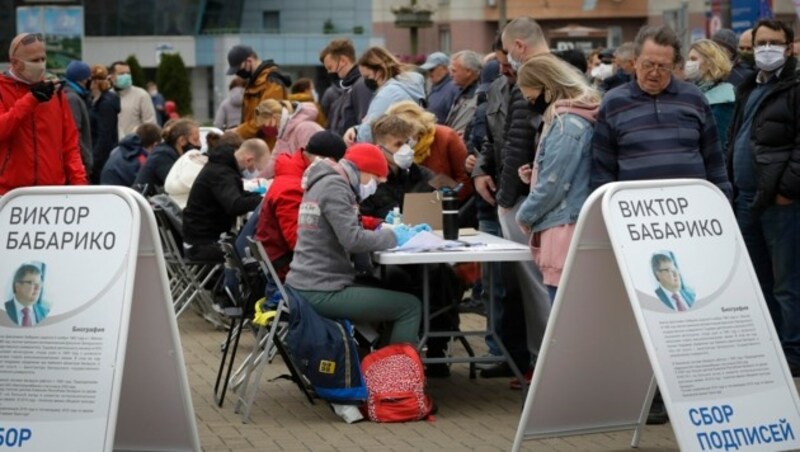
[420,227]
[402,233]
[389,217]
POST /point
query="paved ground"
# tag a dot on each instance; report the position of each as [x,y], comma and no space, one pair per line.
[479,414]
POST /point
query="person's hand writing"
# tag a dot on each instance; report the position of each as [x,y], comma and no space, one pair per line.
[524,173]
[469,164]
[485,187]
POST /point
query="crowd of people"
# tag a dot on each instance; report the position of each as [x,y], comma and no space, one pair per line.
[526,132]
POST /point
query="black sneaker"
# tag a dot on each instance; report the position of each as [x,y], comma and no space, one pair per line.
[222,304]
[438,370]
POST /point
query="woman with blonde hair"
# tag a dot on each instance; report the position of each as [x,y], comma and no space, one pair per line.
[708,67]
[287,124]
[391,81]
[559,178]
[437,147]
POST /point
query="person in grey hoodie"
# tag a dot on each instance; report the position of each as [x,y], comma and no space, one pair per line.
[329,232]
[229,113]
[392,82]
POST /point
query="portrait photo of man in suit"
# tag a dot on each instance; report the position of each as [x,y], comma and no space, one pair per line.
[26,307]
[671,289]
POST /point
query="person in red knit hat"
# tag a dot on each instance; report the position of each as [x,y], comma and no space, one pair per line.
[329,233]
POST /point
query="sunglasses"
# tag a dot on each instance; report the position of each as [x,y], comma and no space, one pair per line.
[30,38]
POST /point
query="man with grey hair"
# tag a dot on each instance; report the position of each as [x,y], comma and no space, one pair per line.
[522,39]
[465,68]
[623,62]
[443,91]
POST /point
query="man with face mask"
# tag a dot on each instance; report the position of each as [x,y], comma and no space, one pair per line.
[136,106]
[764,165]
[726,39]
[347,96]
[38,138]
[218,197]
[182,136]
[264,81]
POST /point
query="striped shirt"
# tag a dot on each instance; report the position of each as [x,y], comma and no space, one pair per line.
[671,135]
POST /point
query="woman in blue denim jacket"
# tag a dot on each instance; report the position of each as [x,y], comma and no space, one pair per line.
[559,178]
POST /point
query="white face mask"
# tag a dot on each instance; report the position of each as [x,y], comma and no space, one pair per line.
[692,71]
[249,174]
[770,58]
[33,71]
[603,71]
[515,65]
[367,190]
[404,157]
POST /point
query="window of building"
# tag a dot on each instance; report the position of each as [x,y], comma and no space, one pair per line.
[444,39]
[271,21]
[614,36]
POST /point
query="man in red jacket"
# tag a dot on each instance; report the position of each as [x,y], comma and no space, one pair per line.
[277,221]
[38,137]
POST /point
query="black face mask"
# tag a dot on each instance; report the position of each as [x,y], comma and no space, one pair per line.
[371,84]
[540,105]
[333,77]
[190,147]
[244,73]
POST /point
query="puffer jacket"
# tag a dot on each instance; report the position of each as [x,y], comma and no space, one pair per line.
[519,148]
[38,141]
[774,139]
[294,135]
[266,83]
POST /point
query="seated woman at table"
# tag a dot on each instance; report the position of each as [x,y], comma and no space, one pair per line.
[329,232]
[559,178]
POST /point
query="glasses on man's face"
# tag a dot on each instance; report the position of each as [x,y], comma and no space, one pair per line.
[662,69]
[28,39]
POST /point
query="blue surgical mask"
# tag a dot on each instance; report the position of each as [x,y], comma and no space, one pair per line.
[124,81]
[367,190]
[249,174]
[404,156]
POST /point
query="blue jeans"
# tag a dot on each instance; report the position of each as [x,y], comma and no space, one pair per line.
[773,242]
[493,228]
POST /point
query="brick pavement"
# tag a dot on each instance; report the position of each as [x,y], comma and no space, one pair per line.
[480,415]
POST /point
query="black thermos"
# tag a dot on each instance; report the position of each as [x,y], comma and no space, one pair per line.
[449,214]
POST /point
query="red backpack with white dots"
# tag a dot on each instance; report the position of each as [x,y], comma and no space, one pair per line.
[395,380]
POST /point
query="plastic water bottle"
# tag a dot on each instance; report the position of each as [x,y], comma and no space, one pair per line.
[397,219]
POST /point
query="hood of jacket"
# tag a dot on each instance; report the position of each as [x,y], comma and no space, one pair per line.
[293,165]
[409,82]
[320,170]
[586,109]
[236,96]
[131,146]
[223,155]
[721,93]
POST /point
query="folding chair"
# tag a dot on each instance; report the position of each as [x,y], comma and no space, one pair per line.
[187,277]
[247,295]
[269,337]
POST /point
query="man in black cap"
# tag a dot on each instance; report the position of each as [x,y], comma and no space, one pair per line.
[277,221]
[726,39]
[264,81]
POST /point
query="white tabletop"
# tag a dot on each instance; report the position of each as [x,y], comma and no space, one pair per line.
[496,250]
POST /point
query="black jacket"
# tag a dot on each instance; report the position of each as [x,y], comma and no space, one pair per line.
[350,108]
[124,162]
[216,199]
[489,158]
[390,194]
[105,136]
[739,73]
[154,172]
[519,148]
[775,137]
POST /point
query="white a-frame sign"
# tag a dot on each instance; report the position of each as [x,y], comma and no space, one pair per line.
[90,356]
[658,282]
